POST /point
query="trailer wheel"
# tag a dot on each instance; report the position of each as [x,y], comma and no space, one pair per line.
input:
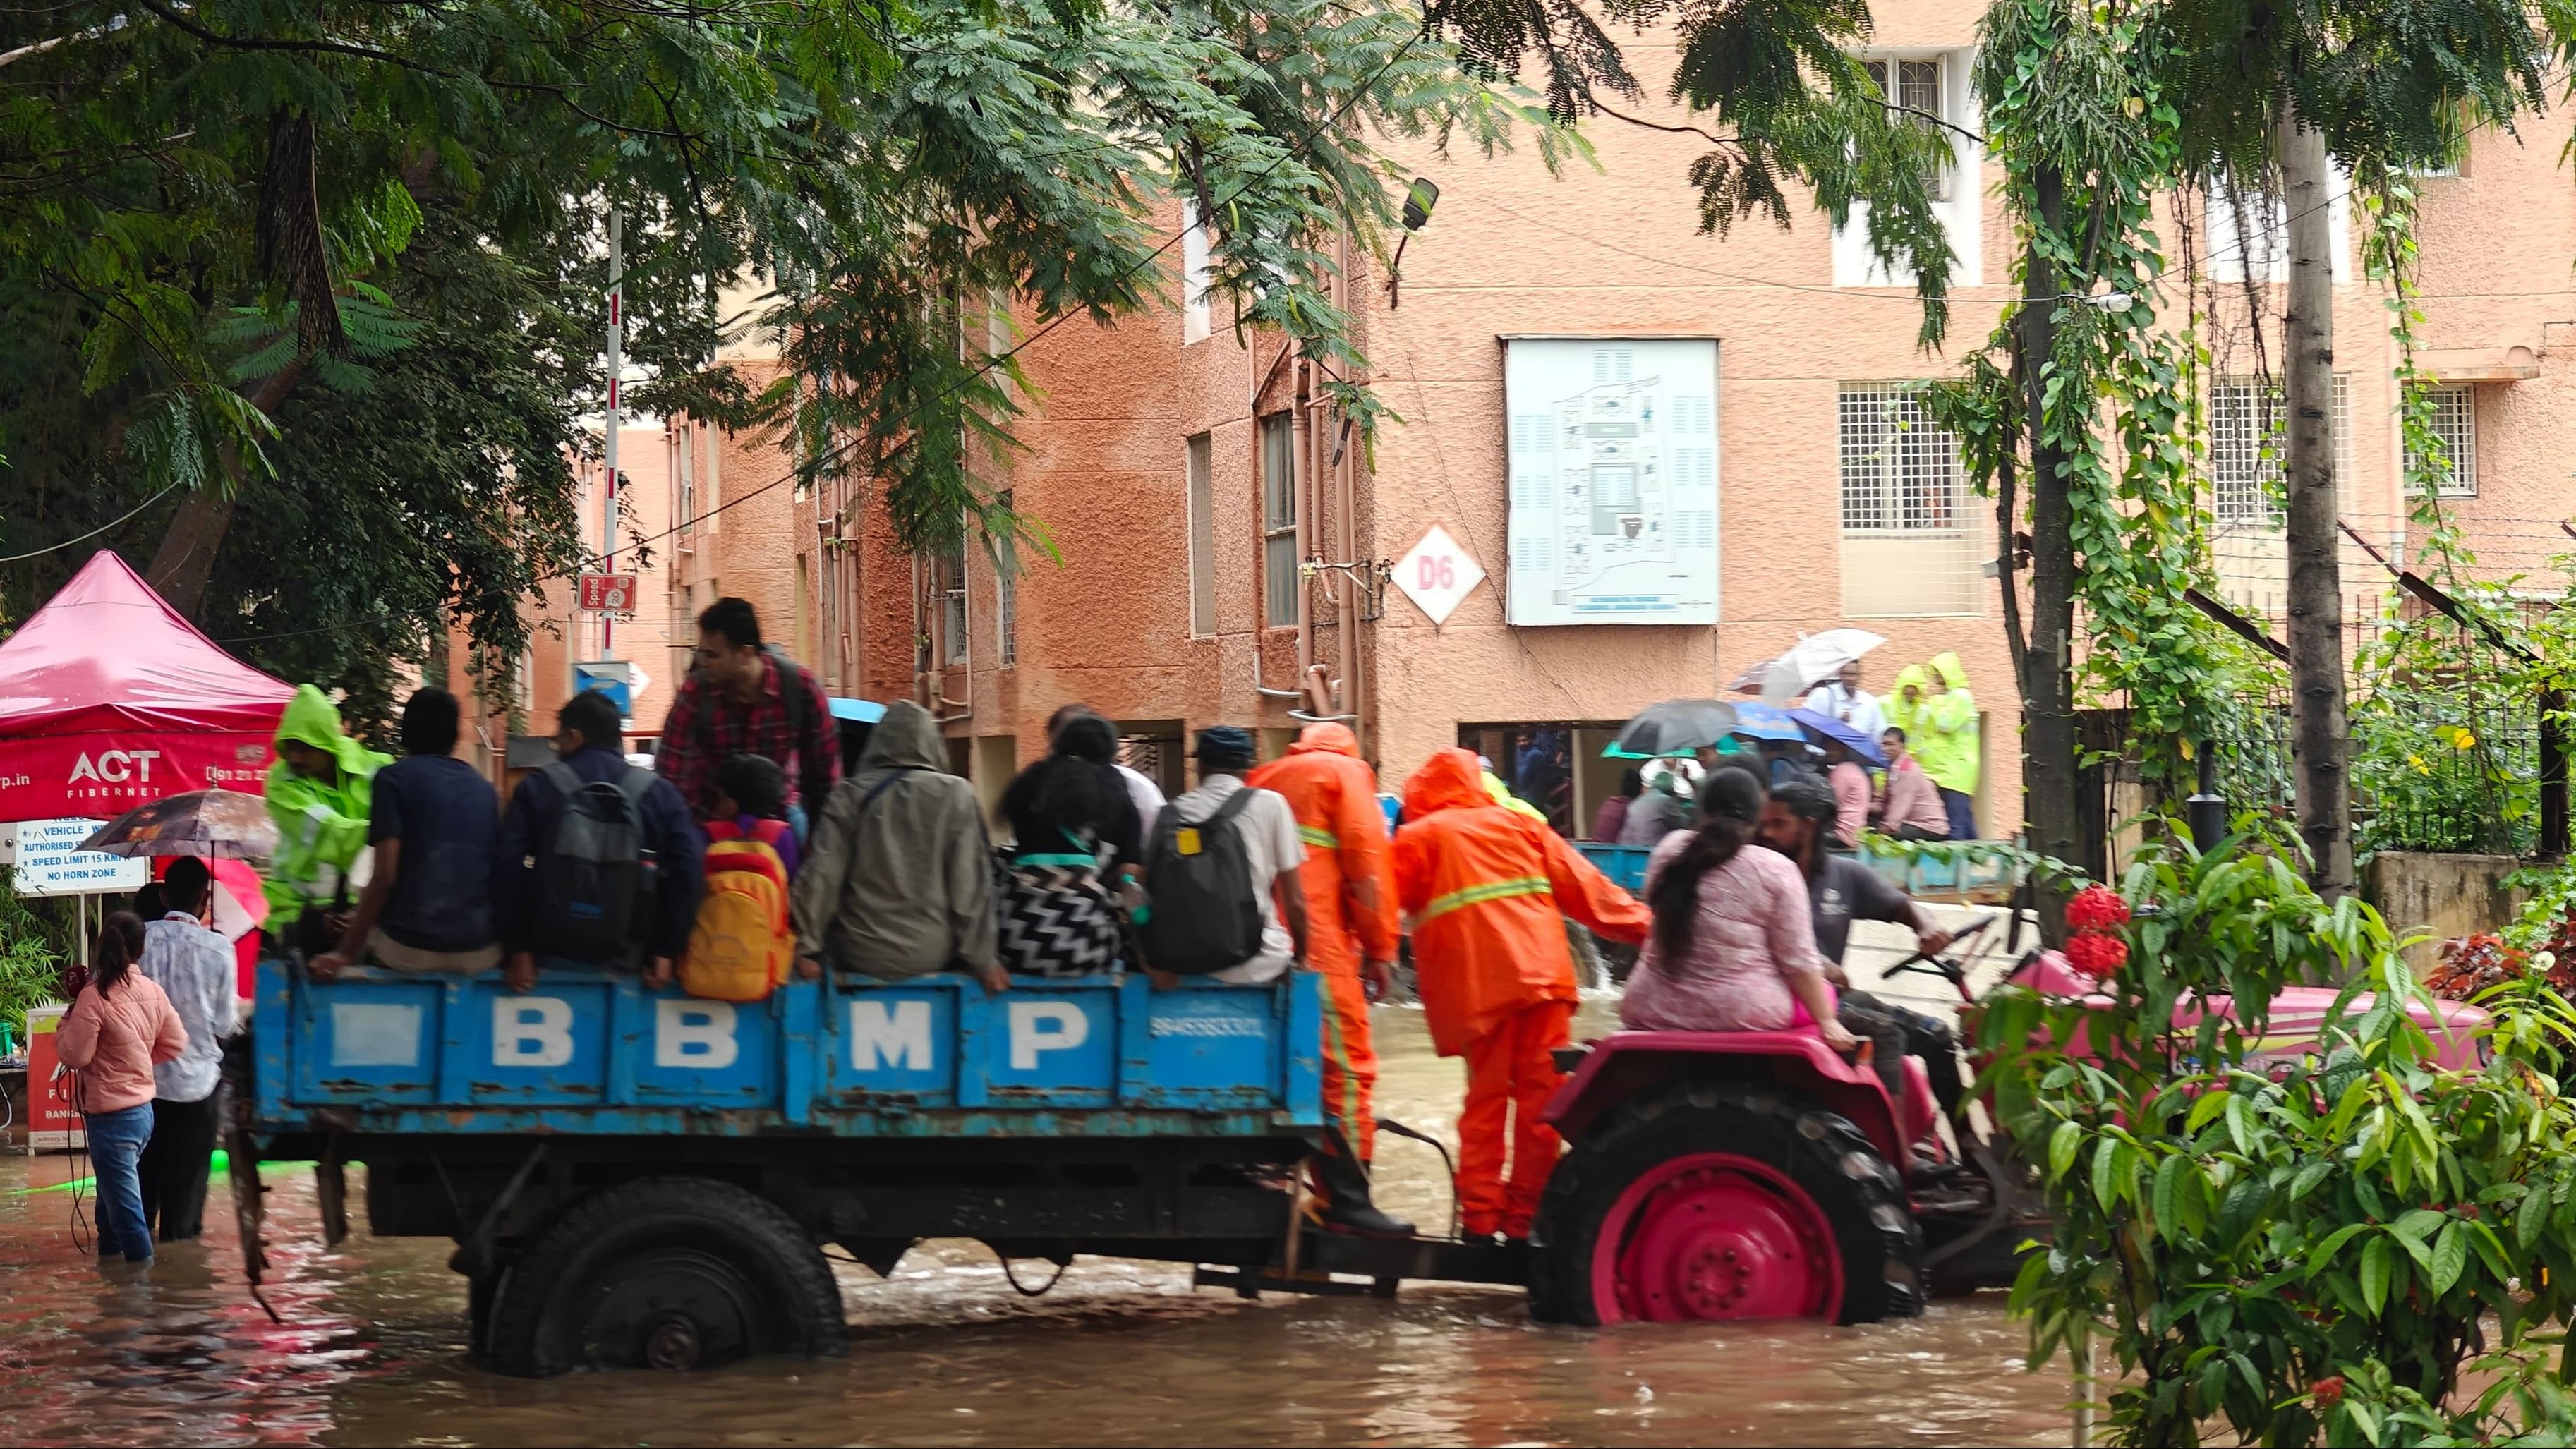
[1714,1200]
[671,1273]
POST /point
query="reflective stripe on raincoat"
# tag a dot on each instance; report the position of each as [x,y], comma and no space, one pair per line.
[1350,897]
[1485,887]
[321,824]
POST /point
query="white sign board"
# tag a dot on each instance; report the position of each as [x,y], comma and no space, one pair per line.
[1438,574]
[1613,480]
[49,865]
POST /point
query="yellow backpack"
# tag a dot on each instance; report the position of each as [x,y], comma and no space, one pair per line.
[742,945]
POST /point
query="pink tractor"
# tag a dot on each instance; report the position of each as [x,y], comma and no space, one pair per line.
[1747,1175]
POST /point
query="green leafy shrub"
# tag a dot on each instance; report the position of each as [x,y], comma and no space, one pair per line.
[2302,1251]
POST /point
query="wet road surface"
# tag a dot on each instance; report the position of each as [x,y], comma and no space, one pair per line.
[372,1349]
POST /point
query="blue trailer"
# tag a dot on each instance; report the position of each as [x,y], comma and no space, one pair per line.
[636,1177]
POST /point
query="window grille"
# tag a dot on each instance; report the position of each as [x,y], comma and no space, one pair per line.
[1202,505]
[1911,544]
[2247,447]
[1918,90]
[1900,470]
[1278,521]
[2455,422]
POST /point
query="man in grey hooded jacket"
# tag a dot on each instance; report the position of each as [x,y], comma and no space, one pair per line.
[898,879]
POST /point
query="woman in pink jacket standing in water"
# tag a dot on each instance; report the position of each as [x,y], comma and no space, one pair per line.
[121,1025]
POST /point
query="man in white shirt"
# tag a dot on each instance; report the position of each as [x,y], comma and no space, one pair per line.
[1271,845]
[1845,700]
[194,968]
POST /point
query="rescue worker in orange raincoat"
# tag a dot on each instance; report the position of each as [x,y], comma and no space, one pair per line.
[1350,929]
[1486,889]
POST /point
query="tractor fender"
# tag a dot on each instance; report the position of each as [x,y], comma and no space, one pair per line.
[1628,1064]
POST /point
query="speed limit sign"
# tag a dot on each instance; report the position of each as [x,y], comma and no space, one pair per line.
[1438,574]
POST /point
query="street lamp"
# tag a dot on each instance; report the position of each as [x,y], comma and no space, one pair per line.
[1419,198]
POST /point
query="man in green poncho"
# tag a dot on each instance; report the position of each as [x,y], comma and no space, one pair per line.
[318,793]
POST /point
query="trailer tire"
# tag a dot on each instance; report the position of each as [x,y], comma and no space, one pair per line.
[1724,1200]
[664,1272]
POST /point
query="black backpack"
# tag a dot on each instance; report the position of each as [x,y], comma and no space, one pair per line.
[595,876]
[1205,915]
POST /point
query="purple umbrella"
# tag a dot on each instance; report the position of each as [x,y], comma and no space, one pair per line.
[1825,727]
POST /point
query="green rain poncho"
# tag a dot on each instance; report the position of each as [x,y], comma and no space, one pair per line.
[321,824]
[1941,729]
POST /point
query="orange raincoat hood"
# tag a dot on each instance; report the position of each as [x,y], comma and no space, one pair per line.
[1334,739]
[1449,780]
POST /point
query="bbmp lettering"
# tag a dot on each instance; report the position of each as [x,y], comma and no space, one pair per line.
[890,1036]
[1045,1026]
[531,1031]
[695,1034]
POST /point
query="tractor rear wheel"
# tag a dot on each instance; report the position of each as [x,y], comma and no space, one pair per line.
[671,1273]
[1721,1200]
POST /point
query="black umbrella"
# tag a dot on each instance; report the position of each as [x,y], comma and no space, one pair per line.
[1675,727]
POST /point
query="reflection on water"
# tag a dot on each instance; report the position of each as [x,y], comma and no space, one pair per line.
[372,1351]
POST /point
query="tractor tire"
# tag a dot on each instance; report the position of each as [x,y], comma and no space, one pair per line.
[672,1273]
[1715,1200]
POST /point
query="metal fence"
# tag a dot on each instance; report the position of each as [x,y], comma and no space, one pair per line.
[2444,757]
[2426,790]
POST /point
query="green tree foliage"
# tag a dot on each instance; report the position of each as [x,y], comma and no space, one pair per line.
[2301,1247]
[209,213]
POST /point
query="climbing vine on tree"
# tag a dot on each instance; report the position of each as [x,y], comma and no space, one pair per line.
[2083,408]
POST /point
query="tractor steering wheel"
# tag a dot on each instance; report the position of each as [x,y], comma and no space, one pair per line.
[1953,971]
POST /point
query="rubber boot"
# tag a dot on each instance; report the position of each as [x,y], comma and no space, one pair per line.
[1346,1202]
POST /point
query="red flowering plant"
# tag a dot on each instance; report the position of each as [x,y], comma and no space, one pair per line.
[2288,1259]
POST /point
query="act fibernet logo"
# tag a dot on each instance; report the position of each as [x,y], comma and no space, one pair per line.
[112,775]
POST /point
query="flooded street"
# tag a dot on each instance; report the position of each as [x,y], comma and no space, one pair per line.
[372,1350]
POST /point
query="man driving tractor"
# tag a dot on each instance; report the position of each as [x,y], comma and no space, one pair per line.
[1841,890]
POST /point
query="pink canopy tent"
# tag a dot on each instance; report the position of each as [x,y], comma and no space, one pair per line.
[109,699]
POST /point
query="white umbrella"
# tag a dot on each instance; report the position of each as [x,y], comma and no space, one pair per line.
[1813,660]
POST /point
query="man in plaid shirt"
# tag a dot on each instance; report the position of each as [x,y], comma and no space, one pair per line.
[743,700]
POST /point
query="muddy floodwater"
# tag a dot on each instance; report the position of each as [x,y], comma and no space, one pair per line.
[372,1350]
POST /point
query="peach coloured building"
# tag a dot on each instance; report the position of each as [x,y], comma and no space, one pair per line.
[1669,455]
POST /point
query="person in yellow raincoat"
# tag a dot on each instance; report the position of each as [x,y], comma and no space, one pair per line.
[319,793]
[1485,887]
[1944,740]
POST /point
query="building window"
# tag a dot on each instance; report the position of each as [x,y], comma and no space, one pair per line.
[686,438]
[1194,274]
[1006,593]
[2455,422]
[2247,231]
[803,632]
[948,576]
[1910,544]
[2244,452]
[1278,521]
[1916,88]
[2246,449]
[1202,505]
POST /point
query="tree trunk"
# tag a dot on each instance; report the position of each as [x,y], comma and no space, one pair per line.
[2047,676]
[2316,585]
[185,562]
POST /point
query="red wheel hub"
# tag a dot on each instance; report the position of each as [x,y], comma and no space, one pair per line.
[1714,1235]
